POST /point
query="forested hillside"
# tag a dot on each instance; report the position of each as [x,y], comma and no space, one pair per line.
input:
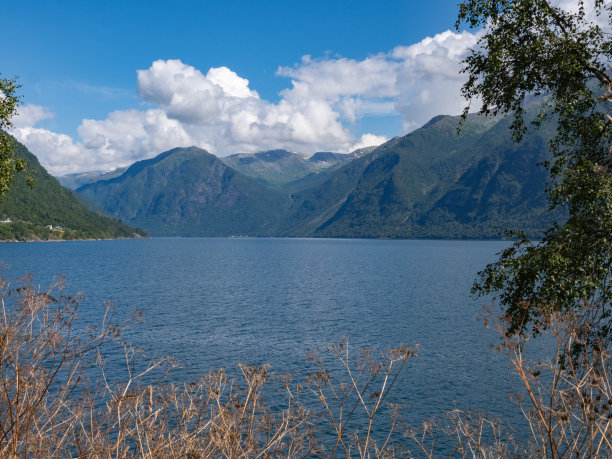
[48,211]
[189,192]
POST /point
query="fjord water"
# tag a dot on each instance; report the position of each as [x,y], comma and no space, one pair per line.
[212,303]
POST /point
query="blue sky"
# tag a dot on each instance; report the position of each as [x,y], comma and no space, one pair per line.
[108,83]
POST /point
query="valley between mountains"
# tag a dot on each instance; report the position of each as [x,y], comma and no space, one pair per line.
[431,183]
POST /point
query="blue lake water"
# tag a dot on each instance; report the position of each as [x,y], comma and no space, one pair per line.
[213,303]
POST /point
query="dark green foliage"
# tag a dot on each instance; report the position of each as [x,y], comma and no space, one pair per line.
[10,163]
[533,47]
[33,208]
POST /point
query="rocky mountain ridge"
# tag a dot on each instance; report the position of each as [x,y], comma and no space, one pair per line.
[429,183]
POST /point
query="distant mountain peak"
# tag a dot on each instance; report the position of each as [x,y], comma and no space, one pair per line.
[189,192]
[140,165]
[274,155]
[323,157]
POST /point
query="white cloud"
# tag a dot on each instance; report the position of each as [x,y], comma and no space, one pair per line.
[130,135]
[58,153]
[181,90]
[121,139]
[230,82]
[429,82]
[29,115]
[368,140]
[417,81]
[220,112]
[333,79]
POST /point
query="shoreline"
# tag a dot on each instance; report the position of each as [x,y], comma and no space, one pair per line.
[136,236]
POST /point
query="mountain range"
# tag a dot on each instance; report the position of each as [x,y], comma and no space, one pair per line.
[75,180]
[284,169]
[431,183]
[189,192]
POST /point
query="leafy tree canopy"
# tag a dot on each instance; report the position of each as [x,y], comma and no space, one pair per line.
[534,48]
[9,163]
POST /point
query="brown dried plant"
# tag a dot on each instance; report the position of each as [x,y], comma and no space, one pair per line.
[212,417]
[52,404]
[567,400]
[43,357]
[353,399]
[467,434]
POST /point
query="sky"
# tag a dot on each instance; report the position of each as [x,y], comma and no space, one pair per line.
[105,84]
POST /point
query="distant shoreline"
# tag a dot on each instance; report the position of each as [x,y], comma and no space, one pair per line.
[136,236]
[484,239]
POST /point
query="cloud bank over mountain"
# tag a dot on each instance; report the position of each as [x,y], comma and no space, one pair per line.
[218,111]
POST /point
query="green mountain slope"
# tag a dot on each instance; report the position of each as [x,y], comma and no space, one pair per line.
[189,192]
[74,181]
[31,210]
[501,190]
[432,183]
[429,183]
[282,168]
[360,198]
[274,167]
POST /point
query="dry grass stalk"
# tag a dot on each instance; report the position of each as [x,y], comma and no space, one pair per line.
[566,402]
[212,417]
[49,408]
[42,358]
[568,396]
[472,434]
[361,395]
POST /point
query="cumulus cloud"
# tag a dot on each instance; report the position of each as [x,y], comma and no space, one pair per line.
[429,82]
[218,110]
[231,83]
[417,81]
[30,114]
[129,135]
[368,140]
[58,153]
[334,79]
